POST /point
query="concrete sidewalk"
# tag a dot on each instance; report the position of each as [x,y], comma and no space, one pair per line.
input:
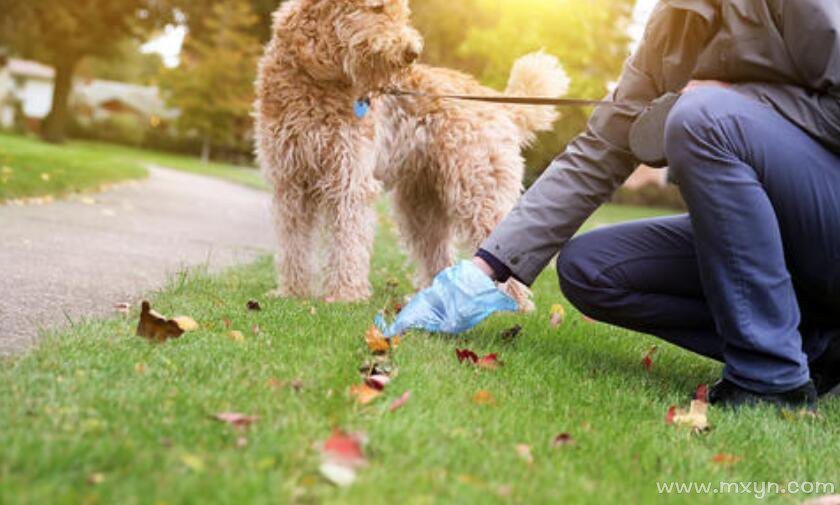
[76,258]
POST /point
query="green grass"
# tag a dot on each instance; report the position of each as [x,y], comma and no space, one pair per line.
[76,406]
[30,168]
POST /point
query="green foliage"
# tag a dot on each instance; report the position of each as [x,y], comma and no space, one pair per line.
[196,11]
[213,86]
[128,64]
[485,37]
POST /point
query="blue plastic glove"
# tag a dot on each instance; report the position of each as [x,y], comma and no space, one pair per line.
[459,299]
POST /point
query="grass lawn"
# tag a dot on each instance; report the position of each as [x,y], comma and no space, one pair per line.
[31,168]
[97,415]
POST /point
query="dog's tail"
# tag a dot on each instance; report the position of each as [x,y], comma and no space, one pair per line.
[539,75]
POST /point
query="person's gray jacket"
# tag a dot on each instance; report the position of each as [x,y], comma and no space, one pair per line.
[785,53]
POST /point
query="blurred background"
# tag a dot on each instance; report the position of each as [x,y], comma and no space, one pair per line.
[177,75]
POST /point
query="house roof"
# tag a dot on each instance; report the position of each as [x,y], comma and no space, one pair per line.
[144,99]
[28,68]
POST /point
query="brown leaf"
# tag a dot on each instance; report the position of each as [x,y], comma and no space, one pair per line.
[696,418]
[510,334]
[364,394]
[377,342]
[236,419]
[122,308]
[726,459]
[647,361]
[342,456]
[524,452]
[236,336]
[254,305]
[157,328]
[483,398]
[558,315]
[399,402]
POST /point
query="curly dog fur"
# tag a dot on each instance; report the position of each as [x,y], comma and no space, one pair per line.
[454,169]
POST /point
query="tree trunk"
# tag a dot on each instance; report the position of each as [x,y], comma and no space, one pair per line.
[54,128]
[205,150]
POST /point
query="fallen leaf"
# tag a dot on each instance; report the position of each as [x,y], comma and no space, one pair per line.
[726,459]
[587,319]
[489,362]
[510,334]
[378,382]
[702,393]
[96,478]
[236,419]
[140,368]
[364,394]
[157,328]
[696,418]
[341,457]
[122,308]
[483,398]
[45,177]
[376,341]
[824,500]
[193,462]
[297,384]
[236,336]
[466,354]
[563,440]
[254,305]
[313,311]
[186,323]
[558,315]
[241,442]
[255,330]
[524,452]
[228,323]
[647,361]
[399,402]
[275,383]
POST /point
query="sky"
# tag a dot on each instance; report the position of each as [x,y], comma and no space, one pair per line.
[169,43]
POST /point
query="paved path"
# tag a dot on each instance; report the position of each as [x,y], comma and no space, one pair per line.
[71,259]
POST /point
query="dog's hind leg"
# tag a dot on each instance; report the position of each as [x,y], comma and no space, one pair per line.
[426,230]
[295,221]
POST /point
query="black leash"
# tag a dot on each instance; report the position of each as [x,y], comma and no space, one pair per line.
[516,100]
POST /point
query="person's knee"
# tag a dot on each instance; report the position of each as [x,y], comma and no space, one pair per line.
[699,122]
[578,271]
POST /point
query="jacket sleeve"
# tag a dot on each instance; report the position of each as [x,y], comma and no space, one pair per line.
[811,32]
[583,177]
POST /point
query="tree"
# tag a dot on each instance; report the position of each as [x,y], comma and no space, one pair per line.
[62,33]
[213,86]
[129,64]
[195,12]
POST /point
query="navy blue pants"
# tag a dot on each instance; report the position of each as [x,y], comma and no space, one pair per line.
[751,276]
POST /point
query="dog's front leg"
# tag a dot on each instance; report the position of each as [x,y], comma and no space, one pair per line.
[351,219]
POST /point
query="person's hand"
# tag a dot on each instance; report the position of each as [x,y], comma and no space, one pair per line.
[705,84]
[459,299]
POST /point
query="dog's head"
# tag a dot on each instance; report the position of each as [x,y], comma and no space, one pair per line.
[366,42]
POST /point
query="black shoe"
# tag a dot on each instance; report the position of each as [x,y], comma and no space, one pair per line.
[825,371]
[728,394]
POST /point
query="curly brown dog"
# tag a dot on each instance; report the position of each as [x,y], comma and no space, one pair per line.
[454,169]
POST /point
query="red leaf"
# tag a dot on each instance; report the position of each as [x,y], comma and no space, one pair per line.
[378,382]
[399,402]
[647,361]
[672,412]
[563,439]
[489,361]
[726,459]
[466,354]
[344,448]
[703,393]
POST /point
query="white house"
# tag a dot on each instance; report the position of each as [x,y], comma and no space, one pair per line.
[30,84]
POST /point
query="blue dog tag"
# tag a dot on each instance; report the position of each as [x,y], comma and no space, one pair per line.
[361,107]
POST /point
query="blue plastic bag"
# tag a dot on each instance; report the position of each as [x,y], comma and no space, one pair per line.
[459,299]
